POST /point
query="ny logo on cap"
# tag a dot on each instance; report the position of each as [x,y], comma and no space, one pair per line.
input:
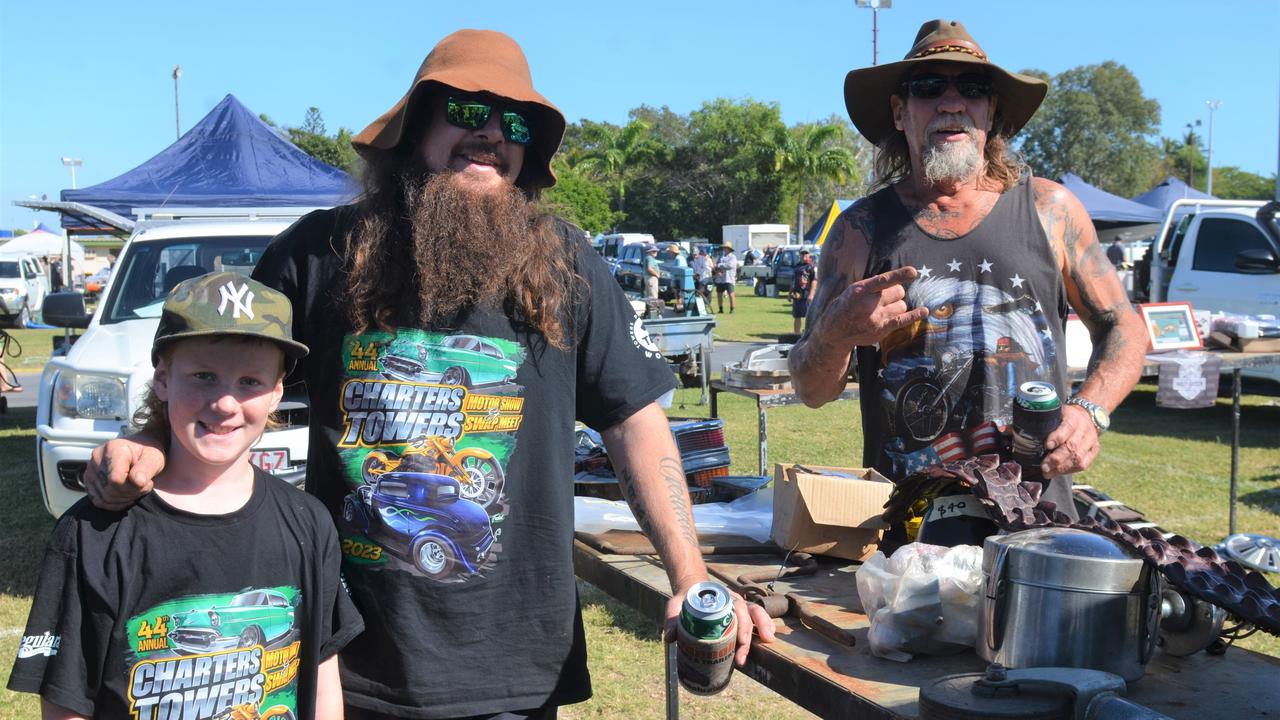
[240,298]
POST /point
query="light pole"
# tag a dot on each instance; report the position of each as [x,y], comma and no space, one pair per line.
[875,6]
[1213,105]
[72,163]
[177,123]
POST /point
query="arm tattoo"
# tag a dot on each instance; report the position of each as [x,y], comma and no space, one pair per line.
[678,491]
[633,500]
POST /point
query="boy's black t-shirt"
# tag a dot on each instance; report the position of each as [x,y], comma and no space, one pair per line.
[157,612]
[446,457]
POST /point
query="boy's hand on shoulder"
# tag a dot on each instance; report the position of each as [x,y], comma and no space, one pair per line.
[121,470]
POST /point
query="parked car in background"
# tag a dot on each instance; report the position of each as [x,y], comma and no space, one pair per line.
[88,395]
[672,280]
[97,282]
[782,268]
[23,286]
[611,245]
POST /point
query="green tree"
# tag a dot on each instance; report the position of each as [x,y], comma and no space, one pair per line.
[808,154]
[725,176]
[1232,183]
[1096,123]
[311,139]
[579,200]
[615,153]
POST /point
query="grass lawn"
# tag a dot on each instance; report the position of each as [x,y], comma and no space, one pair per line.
[1174,465]
[755,319]
[29,349]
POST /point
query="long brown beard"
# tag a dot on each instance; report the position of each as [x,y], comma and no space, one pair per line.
[438,246]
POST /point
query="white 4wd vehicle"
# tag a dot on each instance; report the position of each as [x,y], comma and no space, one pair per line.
[89,395]
[1220,255]
[23,286]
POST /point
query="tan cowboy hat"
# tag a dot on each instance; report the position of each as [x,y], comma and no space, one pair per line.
[867,90]
[476,61]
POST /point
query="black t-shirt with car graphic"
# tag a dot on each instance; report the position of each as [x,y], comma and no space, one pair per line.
[446,458]
[155,612]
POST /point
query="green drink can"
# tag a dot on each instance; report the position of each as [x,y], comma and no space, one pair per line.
[1037,411]
[706,637]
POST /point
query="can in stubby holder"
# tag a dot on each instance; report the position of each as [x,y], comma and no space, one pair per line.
[706,638]
[1037,412]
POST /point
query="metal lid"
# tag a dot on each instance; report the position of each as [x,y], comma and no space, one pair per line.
[1066,558]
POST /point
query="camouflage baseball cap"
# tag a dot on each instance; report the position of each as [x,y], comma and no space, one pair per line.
[226,303]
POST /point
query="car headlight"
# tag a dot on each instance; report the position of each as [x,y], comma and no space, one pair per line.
[97,397]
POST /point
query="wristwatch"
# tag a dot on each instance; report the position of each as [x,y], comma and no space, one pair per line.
[1101,420]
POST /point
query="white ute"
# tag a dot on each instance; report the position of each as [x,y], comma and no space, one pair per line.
[89,395]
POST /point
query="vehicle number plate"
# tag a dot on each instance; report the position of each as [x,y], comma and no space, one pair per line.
[271,461]
[954,505]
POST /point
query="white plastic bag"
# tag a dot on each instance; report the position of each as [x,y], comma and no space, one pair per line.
[922,599]
[749,516]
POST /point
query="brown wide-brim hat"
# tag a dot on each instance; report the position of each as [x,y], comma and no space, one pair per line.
[867,90]
[474,61]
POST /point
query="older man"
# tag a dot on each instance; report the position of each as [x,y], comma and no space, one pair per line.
[953,280]
[457,332]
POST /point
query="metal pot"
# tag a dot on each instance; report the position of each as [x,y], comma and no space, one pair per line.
[1061,597]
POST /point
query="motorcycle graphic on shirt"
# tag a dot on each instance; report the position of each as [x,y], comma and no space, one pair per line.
[430,422]
[229,656]
[949,380]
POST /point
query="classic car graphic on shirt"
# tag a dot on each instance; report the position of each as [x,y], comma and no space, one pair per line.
[422,518]
[256,617]
[464,360]
[216,657]
[429,426]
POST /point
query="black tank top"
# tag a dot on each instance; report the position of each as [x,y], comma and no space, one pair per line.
[943,389]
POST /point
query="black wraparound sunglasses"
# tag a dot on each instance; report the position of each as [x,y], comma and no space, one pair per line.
[971,86]
[473,114]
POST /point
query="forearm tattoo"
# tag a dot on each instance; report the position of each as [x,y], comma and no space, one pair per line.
[676,491]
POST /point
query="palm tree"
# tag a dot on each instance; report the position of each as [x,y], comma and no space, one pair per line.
[615,152]
[811,152]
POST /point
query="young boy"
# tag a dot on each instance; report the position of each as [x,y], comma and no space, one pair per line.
[218,595]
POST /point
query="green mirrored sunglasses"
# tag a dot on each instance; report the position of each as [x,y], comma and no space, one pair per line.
[473,114]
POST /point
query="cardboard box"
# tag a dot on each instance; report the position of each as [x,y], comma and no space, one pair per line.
[827,514]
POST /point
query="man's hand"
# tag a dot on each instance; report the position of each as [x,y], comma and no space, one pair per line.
[870,309]
[1072,446]
[749,616]
[120,471]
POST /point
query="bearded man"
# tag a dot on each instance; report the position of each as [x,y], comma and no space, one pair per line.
[953,280]
[457,331]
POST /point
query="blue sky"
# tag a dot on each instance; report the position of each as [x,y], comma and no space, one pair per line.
[92,79]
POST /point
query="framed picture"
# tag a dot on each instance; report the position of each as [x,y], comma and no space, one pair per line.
[1171,326]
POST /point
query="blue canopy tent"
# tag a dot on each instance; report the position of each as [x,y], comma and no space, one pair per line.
[229,159]
[817,233]
[1164,194]
[1103,207]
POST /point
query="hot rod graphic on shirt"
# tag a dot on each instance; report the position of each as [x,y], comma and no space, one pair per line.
[430,424]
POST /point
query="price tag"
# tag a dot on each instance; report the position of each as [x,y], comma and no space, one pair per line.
[270,460]
[941,508]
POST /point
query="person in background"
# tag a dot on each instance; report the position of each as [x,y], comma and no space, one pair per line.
[701,267]
[726,275]
[1115,253]
[652,271]
[804,285]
